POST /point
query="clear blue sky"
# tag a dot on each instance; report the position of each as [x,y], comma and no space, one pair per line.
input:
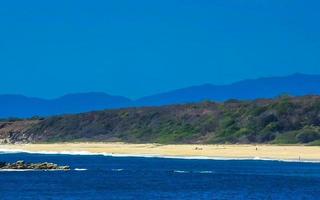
[137,48]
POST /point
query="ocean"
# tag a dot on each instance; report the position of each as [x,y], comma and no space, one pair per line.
[106,177]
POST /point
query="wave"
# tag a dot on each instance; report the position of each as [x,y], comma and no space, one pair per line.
[80,169]
[29,170]
[117,170]
[181,171]
[7,151]
[16,170]
[204,172]
[196,172]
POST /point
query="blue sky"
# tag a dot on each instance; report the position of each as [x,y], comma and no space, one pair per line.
[137,48]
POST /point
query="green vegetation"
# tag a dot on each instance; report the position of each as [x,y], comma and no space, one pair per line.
[286,138]
[285,120]
[308,134]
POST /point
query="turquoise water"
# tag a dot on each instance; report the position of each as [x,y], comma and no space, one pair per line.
[103,177]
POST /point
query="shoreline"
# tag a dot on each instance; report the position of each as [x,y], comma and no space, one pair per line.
[180,151]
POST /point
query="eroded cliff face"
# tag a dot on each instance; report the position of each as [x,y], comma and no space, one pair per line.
[16,131]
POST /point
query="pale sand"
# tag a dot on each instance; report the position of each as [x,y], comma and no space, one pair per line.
[211,151]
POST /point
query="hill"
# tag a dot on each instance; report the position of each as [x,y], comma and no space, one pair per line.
[296,85]
[21,106]
[286,120]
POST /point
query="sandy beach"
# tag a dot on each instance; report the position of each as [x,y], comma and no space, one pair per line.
[201,151]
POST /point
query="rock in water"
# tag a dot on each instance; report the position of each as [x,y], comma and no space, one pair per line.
[37,166]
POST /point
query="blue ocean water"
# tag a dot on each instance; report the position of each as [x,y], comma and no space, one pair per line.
[159,178]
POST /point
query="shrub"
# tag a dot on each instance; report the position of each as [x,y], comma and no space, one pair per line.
[309,135]
[286,138]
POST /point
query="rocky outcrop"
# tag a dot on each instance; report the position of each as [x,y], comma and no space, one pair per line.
[21,165]
[12,132]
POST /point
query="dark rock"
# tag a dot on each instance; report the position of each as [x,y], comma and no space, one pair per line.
[2,164]
[37,166]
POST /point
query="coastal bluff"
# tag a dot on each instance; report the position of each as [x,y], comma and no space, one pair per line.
[282,120]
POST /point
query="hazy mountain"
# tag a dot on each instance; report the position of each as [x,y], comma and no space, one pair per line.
[296,85]
[21,106]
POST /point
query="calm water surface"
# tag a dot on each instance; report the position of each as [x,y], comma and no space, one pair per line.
[157,178]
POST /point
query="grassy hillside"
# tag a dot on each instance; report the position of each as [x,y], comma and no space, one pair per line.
[285,120]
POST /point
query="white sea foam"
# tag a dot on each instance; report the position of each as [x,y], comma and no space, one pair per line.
[117,170]
[197,172]
[28,170]
[204,172]
[6,151]
[80,169]
[181,171]
[16,170]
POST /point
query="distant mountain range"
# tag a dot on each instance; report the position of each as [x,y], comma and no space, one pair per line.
[21,106]
[296,85]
